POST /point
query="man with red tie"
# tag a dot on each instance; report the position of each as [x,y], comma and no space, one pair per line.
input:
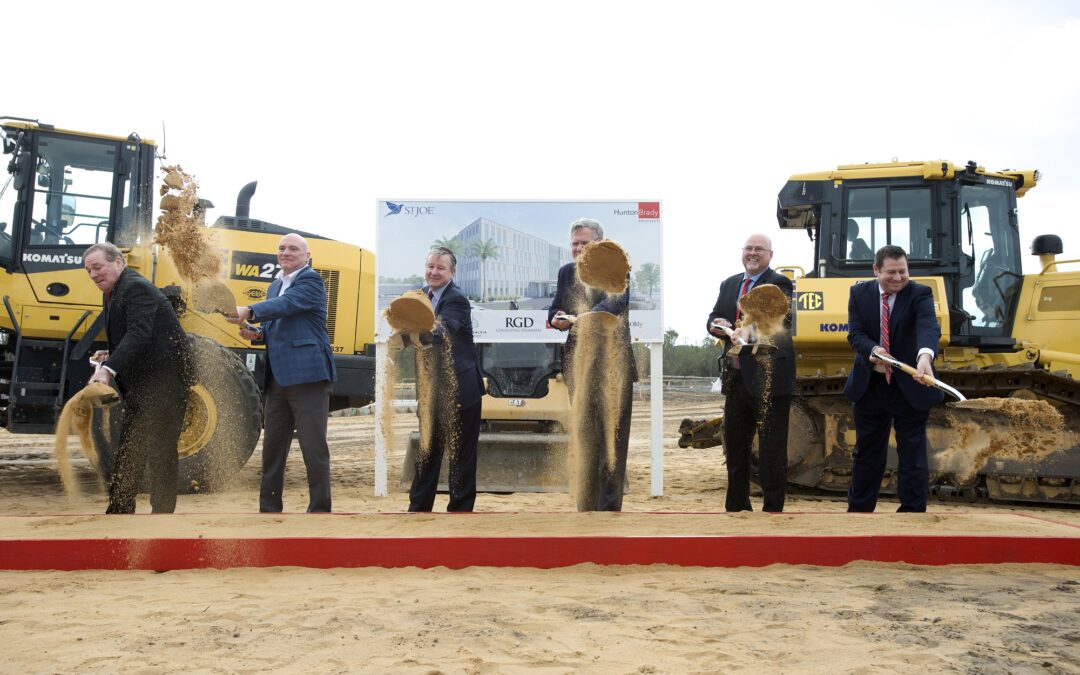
[892,315]
[755,401]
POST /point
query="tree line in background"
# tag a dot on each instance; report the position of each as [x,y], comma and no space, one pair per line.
[698,360]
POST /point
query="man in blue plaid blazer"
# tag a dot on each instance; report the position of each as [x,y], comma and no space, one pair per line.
[299,374]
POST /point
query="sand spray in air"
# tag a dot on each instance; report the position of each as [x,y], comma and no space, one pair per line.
[77,416]
[764,309]
[436,380]
[598,369]
[182,230]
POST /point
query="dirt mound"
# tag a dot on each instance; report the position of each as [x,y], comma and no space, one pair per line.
[1002,428]
[1018,412]
[411,313]
[604,264]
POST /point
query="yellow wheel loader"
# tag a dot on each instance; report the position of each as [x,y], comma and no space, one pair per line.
[1004,333]
[65,190]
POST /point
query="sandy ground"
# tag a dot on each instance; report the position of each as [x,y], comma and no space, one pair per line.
[864,617]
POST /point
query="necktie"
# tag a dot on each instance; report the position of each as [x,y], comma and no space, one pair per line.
[742,292]
[885,332]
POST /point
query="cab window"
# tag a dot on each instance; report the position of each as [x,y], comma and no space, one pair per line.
[877,216]
[73,187]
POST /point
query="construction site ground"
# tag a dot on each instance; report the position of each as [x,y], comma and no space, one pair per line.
[583,618]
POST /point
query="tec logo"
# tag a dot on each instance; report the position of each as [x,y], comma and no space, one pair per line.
[810,301]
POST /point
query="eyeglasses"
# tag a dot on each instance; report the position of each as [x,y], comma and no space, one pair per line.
[755,249]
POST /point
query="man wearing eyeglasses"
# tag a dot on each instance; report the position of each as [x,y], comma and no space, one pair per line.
[757,395]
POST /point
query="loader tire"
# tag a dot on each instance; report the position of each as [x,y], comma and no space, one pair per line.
[221,426]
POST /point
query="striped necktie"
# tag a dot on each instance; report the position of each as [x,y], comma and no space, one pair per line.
[742,292]
[885,332]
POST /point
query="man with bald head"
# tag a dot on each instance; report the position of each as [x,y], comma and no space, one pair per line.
[299,374]
[757,393]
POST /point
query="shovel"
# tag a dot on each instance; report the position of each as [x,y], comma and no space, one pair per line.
[927,378]
[755,348]
[214,296]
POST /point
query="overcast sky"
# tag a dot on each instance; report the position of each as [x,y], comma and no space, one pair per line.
[708,107]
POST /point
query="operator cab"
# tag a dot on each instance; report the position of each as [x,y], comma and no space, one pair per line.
[957,224]
[67,190]
[519,370]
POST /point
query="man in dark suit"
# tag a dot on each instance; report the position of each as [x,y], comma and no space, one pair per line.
[893,315]
[456,418]
[757,393]
[601,485]
[150,359]
[300,374]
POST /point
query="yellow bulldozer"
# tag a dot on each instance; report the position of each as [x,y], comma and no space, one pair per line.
[1004,333]
[66,190]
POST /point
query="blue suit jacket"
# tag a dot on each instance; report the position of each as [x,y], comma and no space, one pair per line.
[455,324]
[912,326]
[294,328]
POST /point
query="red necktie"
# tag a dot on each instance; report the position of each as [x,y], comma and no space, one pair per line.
[742,292]
[885,332]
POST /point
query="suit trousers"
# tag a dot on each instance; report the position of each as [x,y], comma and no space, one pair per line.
[744,416]
[882,408]
[461,444]
[154,409]
[305,408]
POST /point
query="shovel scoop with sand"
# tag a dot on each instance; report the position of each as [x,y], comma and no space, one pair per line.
[214,296]
[604,264]
[764,309]
[411,313]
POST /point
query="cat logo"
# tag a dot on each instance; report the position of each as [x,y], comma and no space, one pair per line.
[255,293]
[810,301]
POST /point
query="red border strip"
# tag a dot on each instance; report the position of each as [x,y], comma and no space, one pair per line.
[538,552]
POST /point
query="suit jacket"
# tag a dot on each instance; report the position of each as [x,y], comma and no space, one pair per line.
[912,326]
[143,332]
[454,315]
[572,297]
[783,359]
[294,328]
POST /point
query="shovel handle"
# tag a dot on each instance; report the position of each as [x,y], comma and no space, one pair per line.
[731,334]
[934,382]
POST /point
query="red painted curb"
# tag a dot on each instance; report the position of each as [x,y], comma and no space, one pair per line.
[538,552]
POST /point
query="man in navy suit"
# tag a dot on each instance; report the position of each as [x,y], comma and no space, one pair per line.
[895,316]
[751,405]
[456,418]
[601,484]
[150,358]
[299,374]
